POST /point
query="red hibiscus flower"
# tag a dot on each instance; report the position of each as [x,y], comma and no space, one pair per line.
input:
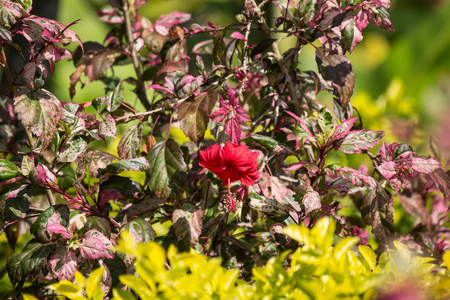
[231,163]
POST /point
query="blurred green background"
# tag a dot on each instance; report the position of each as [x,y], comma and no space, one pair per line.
[402,77]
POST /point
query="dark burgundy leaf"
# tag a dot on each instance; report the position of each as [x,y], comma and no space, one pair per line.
[100,224]
[117,188]
[377,210]
[337,70]
[194,113]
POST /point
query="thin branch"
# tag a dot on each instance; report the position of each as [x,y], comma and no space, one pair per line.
[8,73]
[150,112]
[140,88]
[278,57]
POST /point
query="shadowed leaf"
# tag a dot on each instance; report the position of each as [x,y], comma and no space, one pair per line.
[194,115]
[166,159]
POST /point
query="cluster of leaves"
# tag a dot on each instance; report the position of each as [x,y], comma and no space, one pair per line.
[315,270]
[266,101]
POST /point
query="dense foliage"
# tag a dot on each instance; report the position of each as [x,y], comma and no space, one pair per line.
[261,155]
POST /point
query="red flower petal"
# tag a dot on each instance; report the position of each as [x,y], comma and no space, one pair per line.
[231,163]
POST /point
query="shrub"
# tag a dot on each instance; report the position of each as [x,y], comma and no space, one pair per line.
[251,117]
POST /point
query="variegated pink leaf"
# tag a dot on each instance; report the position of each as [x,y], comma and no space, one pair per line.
[95,245]
[63,263]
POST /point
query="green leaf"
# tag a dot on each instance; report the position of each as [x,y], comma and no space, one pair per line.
[194,115]
[134,164]
[130,142]
[8,170]
[168,167]
[267,142]
[122,295]
[16,208]
[117,187]
[59,213]
[27,165]
[40,112]
[100,224]
[267,205]
[33,256]
[140,230]
[66,182]
[93,288]
[73,149]
[116,98]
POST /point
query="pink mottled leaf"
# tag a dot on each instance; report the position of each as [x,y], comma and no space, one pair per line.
[40,112]
[130,142]
[234,115]
[311,200]
[271,187]
[107,127]
[387,169]
[165,22]
[188,222]
[359,140]
[343,129]
[57,228]
[63,263]
[11,12]
[238,35]
[425,166]
[42,175]
[95,245]
[362,19]
[357,178]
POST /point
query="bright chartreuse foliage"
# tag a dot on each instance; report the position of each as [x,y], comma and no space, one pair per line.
[319,269]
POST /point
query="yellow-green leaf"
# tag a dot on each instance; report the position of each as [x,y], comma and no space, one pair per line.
[93,288]
[122,295]
[137,285]
[403,250]
[446,259]
[68,289]
[368,255]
